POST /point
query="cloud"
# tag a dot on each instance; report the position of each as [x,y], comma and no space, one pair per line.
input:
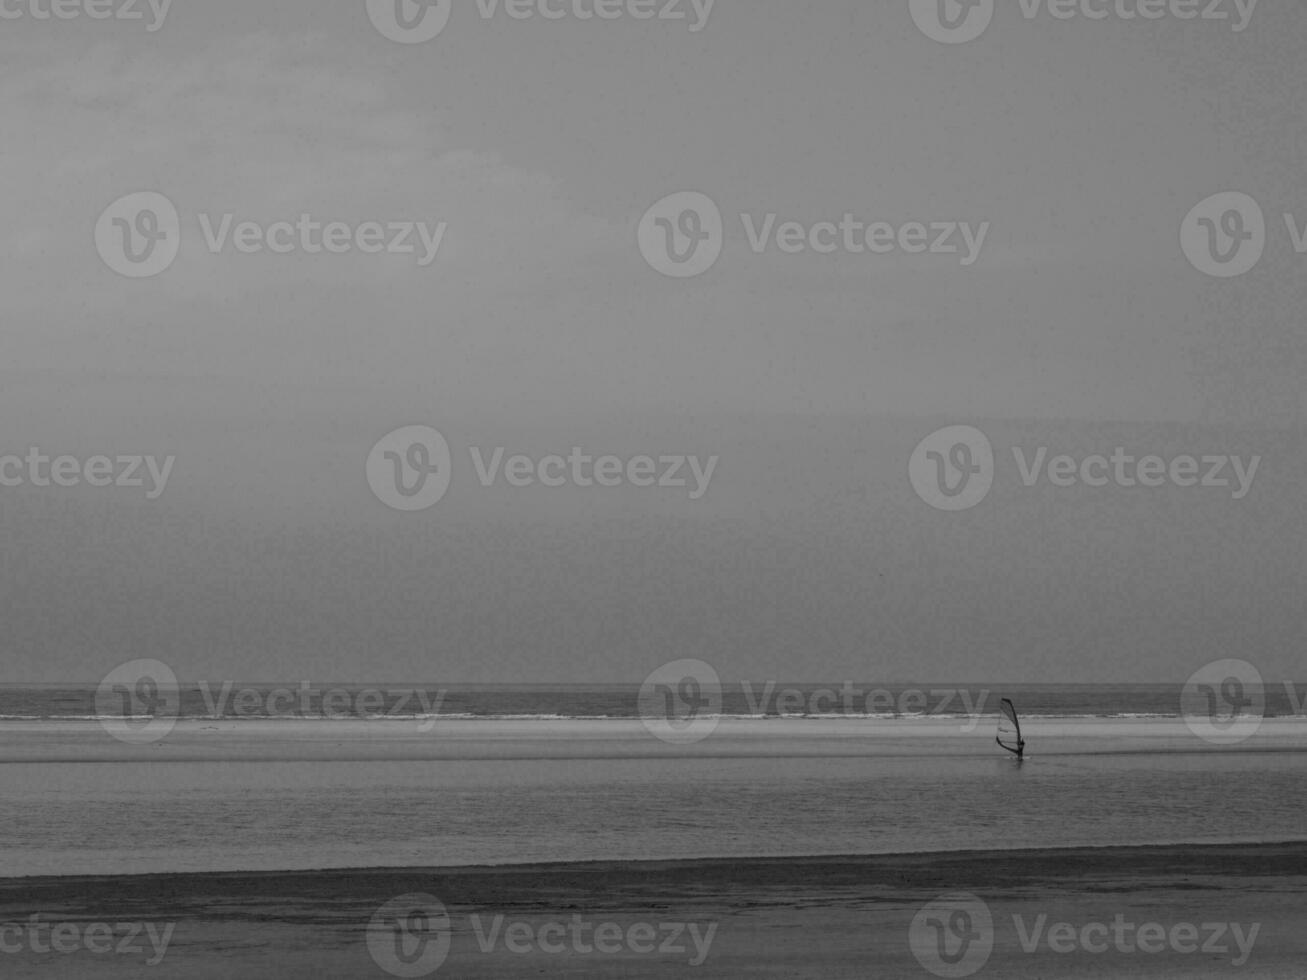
[265,128]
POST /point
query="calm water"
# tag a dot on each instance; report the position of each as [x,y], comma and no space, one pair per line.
[953,793]
[138,817]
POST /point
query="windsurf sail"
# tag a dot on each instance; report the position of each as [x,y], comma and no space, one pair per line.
[1009,729]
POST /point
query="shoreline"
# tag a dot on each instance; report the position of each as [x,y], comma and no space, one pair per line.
[809,917]
[1103,856]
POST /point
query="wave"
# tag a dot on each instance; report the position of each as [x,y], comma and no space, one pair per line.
[478,716]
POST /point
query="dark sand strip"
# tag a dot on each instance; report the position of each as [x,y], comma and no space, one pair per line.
[774,917]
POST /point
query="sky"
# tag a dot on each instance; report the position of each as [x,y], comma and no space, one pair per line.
[1081,326]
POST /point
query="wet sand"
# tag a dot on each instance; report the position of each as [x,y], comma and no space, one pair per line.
[783,917]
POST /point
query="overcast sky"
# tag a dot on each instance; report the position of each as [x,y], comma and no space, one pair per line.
[539,326]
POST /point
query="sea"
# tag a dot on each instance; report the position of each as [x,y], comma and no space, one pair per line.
[741,699]
[1089,779]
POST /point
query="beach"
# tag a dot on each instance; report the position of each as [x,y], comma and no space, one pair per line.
[653,488]
[772,847]
[826,917]
[299,795]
